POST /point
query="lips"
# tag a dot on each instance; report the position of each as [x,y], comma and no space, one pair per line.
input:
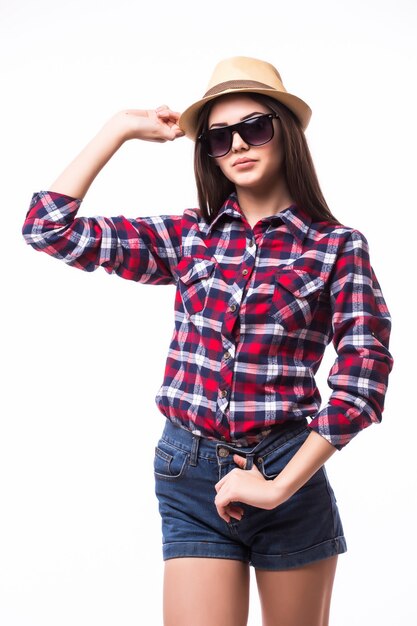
[239,161]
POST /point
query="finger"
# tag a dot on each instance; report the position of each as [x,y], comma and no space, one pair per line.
[222,510]
[224,516]
[225,479]
[235,512]
[167,133]
[175,133]
[220,484]
[178,131]
[240,461]
[167,111]
[230,511]
[224,513]
[237,509]
[167,114]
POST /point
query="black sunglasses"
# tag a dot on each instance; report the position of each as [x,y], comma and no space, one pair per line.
[255,131]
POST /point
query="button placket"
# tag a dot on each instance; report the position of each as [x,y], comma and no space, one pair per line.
[230,321]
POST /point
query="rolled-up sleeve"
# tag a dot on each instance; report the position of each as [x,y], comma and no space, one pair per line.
[144,249]
[361,327]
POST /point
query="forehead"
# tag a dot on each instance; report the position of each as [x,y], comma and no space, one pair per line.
[232,107]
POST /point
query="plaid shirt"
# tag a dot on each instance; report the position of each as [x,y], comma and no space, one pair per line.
[254,311]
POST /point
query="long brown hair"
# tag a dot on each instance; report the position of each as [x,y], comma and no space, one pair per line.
[213,187]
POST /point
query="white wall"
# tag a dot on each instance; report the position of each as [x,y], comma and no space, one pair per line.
[83,355]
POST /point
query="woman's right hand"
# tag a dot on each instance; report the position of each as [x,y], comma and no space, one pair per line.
[159,124]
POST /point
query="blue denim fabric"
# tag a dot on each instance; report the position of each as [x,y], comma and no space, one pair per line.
[305,528]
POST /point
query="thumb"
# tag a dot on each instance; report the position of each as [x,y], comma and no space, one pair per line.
[173,132]
[240,461]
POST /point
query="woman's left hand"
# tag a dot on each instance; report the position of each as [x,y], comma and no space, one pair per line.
[245,486]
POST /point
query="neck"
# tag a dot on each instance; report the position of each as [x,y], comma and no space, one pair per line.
[259,203]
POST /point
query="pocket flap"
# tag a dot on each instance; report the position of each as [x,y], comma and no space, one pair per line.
[191,269]
[298,282]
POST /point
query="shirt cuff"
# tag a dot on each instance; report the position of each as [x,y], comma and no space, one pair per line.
[339,423]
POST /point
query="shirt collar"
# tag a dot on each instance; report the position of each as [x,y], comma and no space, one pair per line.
[297,220]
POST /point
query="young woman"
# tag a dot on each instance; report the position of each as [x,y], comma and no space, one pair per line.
[266,277]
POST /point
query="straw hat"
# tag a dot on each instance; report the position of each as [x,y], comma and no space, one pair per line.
[244,75]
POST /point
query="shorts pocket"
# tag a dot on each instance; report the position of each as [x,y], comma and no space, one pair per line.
[195,277]
[295,297]
[170,463]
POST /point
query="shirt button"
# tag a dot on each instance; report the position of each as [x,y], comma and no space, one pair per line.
[251,242]
[223,393]
[233,307]
[244,272]
[227,355]
[223,452]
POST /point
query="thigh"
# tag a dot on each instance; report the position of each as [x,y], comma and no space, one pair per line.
[206,591]
[297,597]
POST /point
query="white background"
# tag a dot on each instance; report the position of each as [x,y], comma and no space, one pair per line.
[83,355]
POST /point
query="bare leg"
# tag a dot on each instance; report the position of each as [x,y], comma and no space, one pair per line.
[297,597]
[206,592]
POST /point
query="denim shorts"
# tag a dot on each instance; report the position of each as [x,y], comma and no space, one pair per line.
[303,529]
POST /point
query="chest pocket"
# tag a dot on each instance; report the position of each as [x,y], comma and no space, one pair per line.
[195,278]
[295,298]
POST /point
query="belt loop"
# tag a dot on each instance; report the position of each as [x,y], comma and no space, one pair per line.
[194,448]
[249,461]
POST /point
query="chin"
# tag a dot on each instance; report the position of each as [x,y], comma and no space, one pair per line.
[247,180]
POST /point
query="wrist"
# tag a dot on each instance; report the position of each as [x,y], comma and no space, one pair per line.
[117,130]
[282,491]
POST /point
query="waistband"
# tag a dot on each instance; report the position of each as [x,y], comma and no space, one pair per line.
[202,447]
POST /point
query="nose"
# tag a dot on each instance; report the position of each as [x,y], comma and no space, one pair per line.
[237,142]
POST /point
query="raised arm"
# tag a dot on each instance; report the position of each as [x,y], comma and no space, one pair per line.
[149,125]
[144,249]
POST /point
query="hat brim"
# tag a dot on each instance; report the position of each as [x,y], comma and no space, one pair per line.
[188,119]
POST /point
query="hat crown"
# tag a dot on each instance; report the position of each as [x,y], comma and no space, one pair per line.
[245,69]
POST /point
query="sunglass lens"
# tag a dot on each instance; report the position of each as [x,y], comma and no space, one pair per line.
[258,130]
[218,141]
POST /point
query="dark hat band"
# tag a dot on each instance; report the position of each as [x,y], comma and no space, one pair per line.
[236,84]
